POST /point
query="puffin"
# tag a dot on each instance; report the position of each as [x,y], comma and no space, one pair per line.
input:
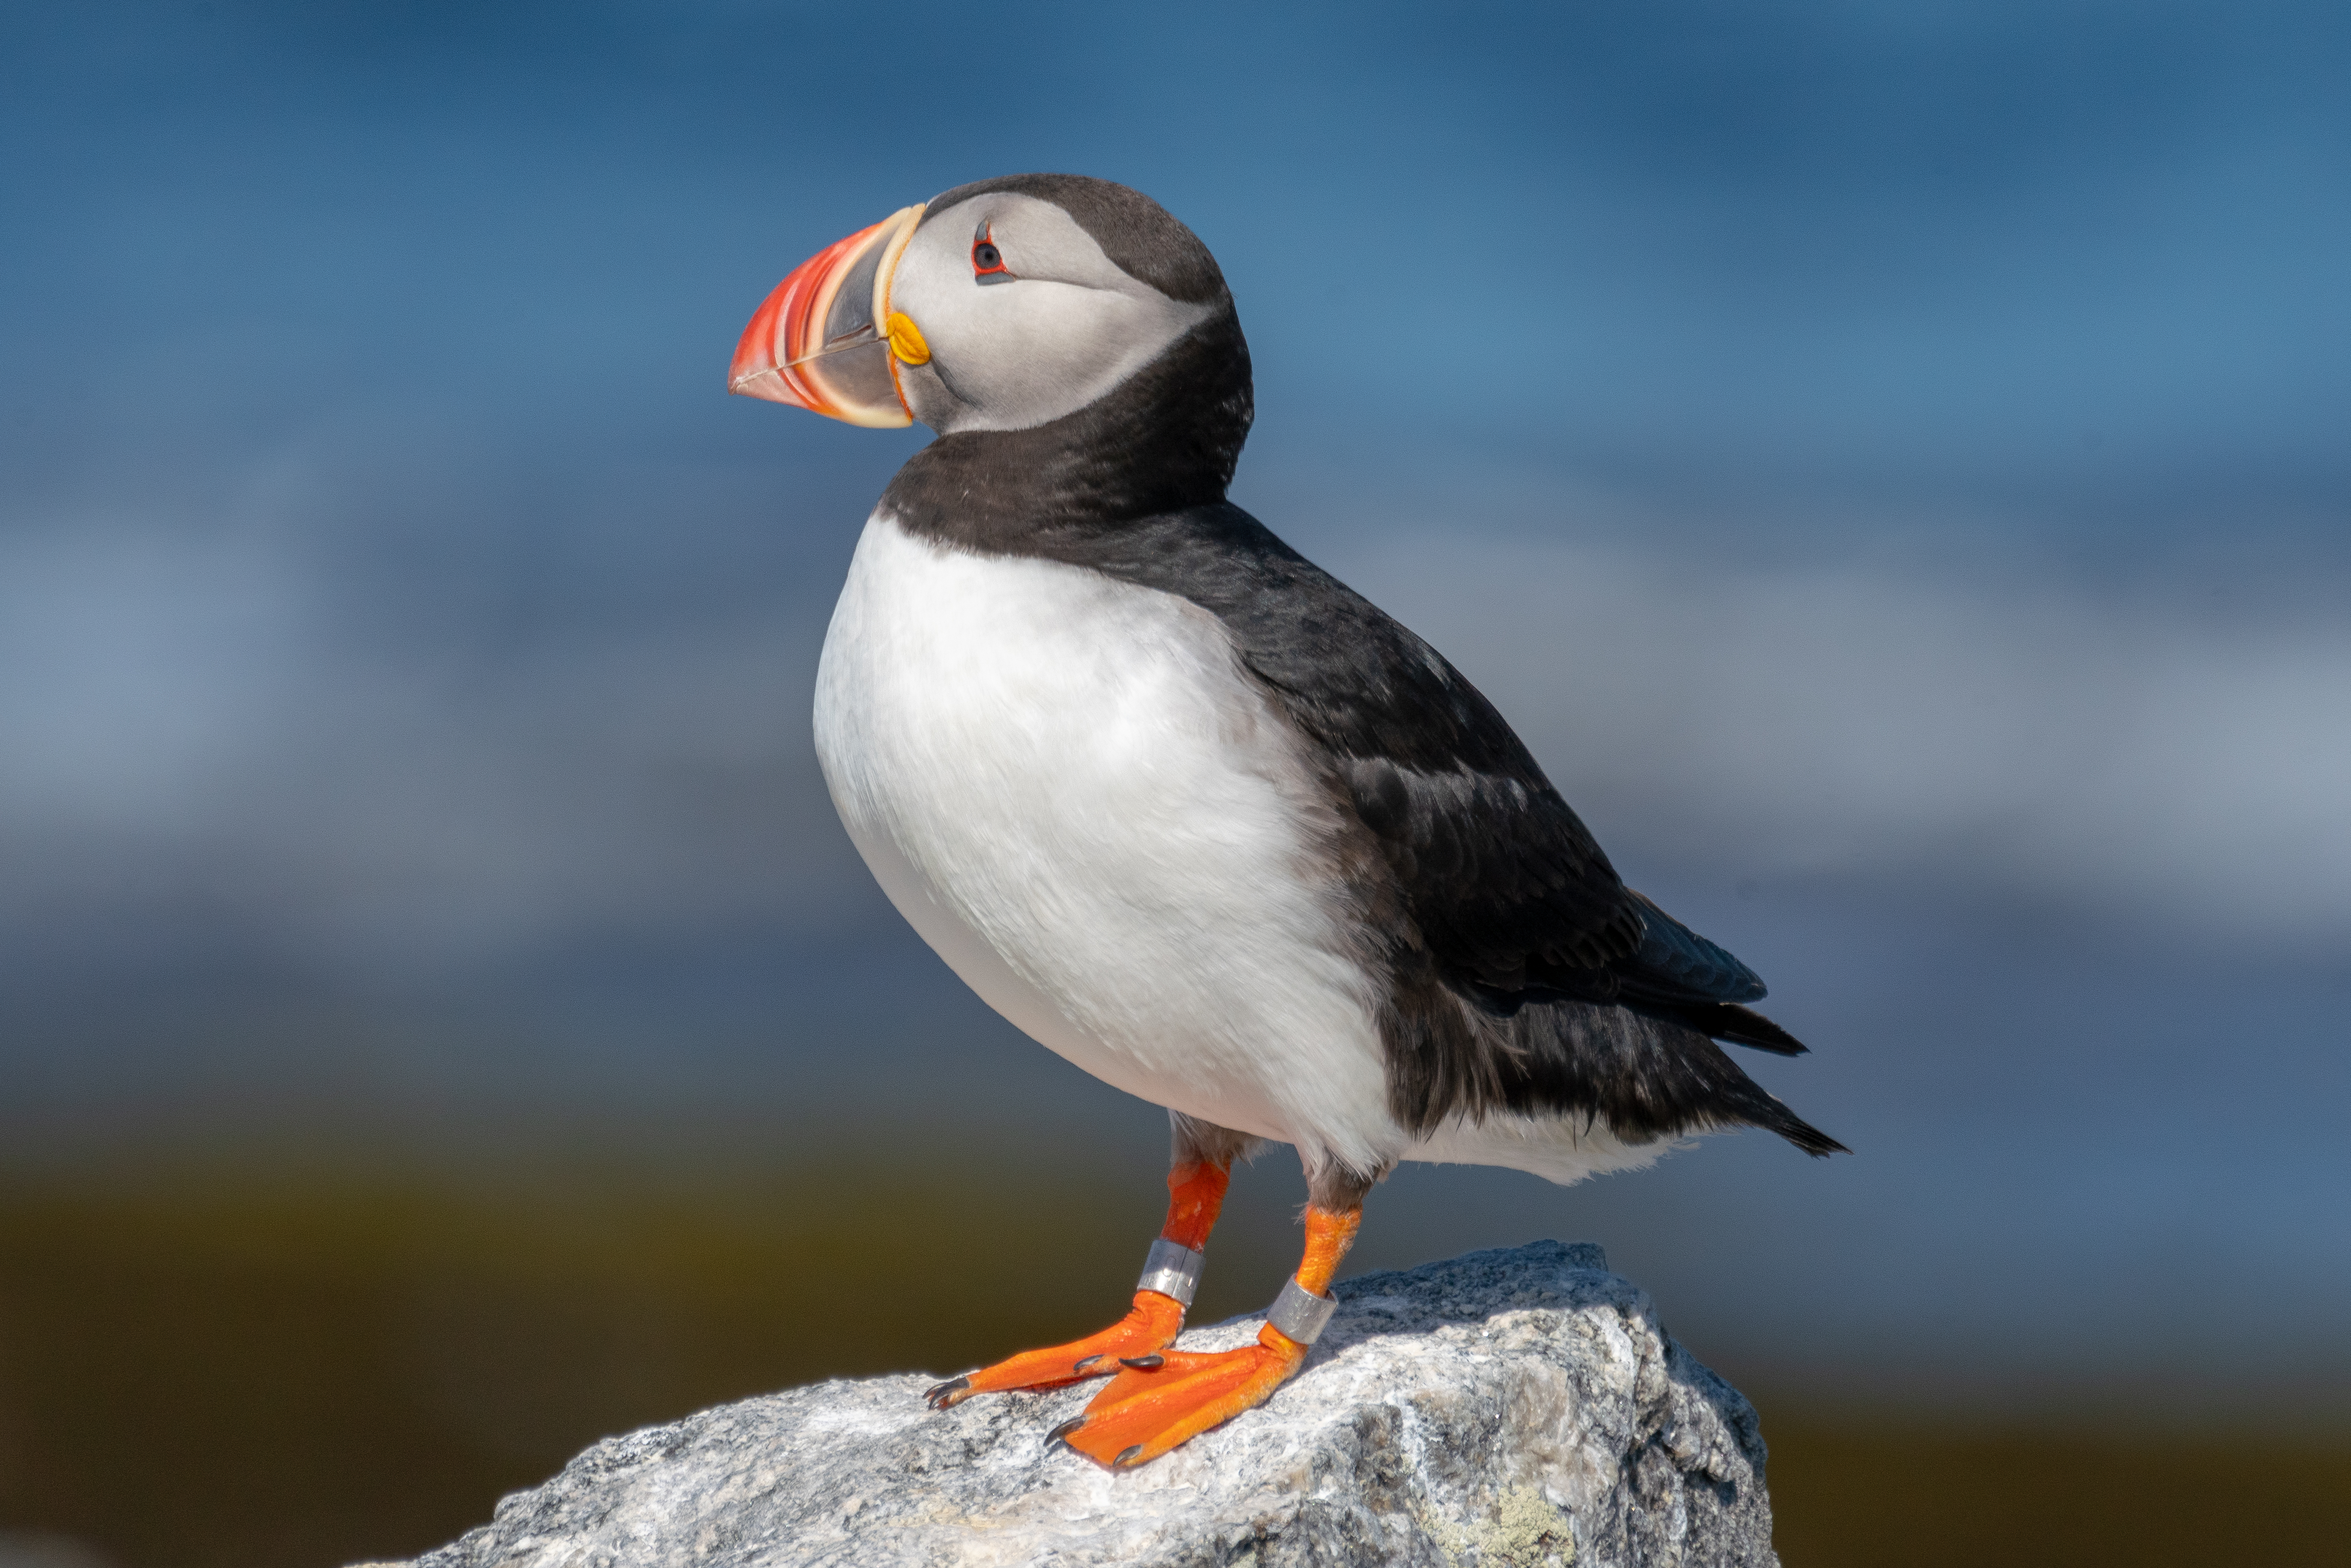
[1183,807]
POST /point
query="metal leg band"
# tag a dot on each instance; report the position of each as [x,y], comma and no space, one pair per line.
[1299,1313]
[1172,1270]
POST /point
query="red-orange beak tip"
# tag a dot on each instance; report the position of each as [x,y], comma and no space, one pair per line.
[817,341]
[757,369]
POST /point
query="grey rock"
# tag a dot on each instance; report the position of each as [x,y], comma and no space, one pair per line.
[1511,1408]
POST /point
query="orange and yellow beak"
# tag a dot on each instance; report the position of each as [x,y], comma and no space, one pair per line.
[827,340]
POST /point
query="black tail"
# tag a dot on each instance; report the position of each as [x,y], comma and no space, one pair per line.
[1746,1100]
[1739,1097]
[1769,1115]
[1727,1021]
[1650,1069]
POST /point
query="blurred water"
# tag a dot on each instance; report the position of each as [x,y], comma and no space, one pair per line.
[2065,1153]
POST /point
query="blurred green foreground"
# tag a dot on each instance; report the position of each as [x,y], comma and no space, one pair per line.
[201,1370]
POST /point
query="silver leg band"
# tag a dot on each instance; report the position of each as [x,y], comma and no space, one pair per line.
[1172,1270]
[1299,1313]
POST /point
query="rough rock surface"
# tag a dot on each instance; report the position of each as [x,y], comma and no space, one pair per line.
[1511,1408]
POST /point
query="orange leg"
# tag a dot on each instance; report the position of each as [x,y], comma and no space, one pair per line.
[1155,1405]
[1196,1191]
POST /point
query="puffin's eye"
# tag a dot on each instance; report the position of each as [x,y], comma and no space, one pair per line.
[986,261]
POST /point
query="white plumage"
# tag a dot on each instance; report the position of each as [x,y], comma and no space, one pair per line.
[1066,784]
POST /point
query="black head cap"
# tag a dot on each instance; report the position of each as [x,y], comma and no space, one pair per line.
[1142,238]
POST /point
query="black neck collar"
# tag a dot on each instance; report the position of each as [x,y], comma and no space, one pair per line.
[1165,439]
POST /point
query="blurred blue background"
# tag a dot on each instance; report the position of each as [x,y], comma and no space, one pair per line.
[1892,462]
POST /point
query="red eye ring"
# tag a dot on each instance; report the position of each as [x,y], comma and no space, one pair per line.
[986,261]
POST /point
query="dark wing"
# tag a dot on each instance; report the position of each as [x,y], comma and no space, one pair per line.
[1510,890]
[1679,975]
[1514,897]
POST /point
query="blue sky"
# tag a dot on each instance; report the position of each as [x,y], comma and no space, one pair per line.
[1890,460]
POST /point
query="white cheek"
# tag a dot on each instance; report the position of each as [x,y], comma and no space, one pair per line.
[1040,349]
[1020,354]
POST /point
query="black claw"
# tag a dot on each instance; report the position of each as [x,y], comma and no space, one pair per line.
[1127,1457]
[1151,1363]
[1064,1429]
[940,1394]
[1082,1366]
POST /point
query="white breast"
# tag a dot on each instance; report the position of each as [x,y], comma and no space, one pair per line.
[1068,788]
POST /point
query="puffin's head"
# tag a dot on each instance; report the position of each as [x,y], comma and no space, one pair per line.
[1000,306]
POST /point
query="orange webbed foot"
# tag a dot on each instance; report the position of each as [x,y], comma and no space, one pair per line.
[1171,1271]
[1159,1402]
[1151,1408]
[1149,1328]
